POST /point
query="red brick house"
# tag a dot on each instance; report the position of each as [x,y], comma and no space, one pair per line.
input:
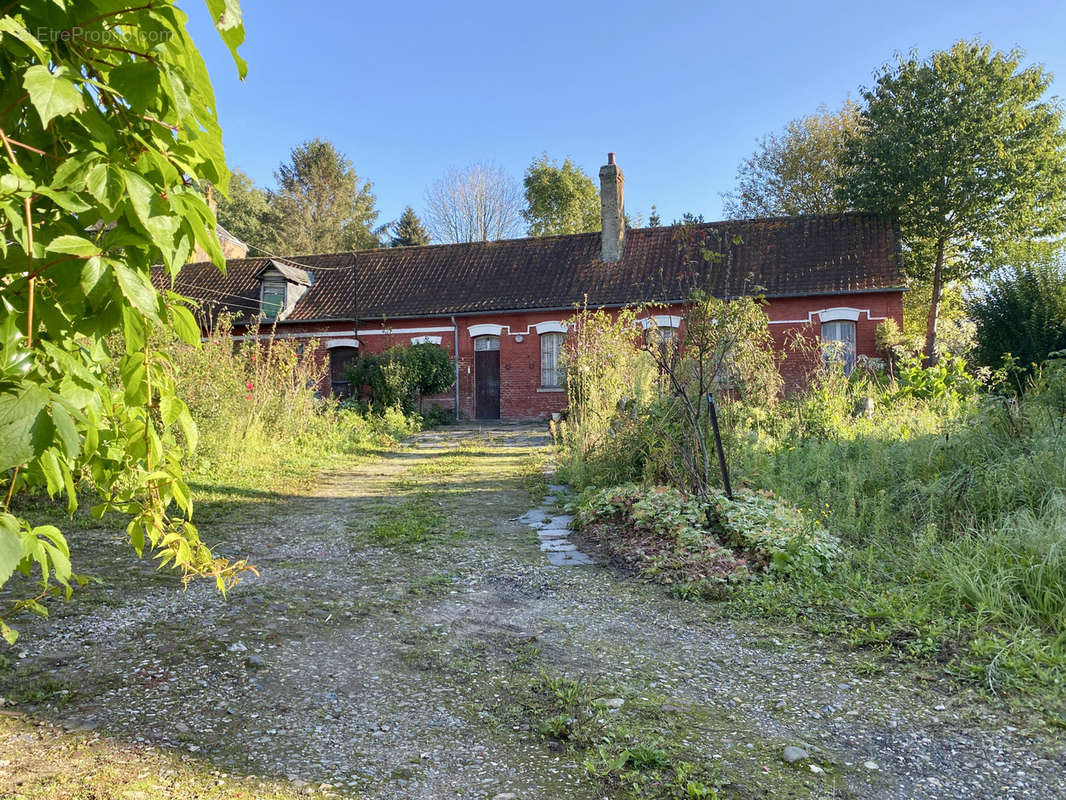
[500,308]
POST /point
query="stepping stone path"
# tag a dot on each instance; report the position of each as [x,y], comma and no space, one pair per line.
[553,530]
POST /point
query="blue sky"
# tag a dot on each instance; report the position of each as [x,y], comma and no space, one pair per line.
[681,92]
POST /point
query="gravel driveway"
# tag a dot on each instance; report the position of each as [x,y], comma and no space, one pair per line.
[383,668]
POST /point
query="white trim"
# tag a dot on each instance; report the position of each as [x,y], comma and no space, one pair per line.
[485,329]
[811,315]
[660,321]
[841,313]
[320,335]
[341,343]
[398,331]
[425,340]
[328,334]
[551,327]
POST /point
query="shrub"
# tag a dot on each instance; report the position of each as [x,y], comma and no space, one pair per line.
[1022,312]
[259,414]
[948,379]
[399,375]
[679,539]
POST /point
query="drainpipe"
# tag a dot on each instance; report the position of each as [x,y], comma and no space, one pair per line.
[455,339]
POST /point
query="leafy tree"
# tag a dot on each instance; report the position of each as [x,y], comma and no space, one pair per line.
[108,127]
[244,212]
[385,377]
[395,377]
[408,230]
[321,205]
[963,151]
[654,220]
[478,204]
[560,198]
[797,171]
[1022,310]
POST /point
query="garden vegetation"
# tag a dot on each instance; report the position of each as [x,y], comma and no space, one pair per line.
[916,511]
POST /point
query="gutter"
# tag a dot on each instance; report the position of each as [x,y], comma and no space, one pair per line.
[455,340]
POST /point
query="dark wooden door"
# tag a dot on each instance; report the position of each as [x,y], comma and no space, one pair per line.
[487,384]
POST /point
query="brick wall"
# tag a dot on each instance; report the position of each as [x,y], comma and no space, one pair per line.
[521,396]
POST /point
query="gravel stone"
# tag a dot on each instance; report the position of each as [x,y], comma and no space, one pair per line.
[364,643]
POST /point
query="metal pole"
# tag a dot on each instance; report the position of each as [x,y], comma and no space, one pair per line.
[718,446]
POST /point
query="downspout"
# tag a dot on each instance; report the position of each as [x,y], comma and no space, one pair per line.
[455,339]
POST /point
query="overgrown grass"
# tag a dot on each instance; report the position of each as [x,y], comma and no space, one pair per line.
[951,507]
[261,422]
[956,520]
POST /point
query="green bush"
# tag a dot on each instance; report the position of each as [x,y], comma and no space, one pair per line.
[259,413]
[400,376]
[1022,311]
[947,501]
[679,539]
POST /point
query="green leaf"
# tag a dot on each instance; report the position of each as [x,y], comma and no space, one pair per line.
[52,475]
[72,245]
[10,634]
[184,324]
[106,185]
[158,220]
[138,82]
[11,26]
[226,15]
[25,428]
[53,95]
[138,290]
[92,272]
[10,546]
[68,433]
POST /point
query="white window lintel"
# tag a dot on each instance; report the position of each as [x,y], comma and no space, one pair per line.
[660,321]
[331,343]
[425,340]
[485,329]
[550,327]
[837,314]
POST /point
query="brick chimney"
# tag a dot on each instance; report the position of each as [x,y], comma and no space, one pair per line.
[612,211]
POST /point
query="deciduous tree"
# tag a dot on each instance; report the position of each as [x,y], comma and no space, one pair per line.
[796,171]
[478,204]
[966,152]
[245,210]
[560,198]
[108,127]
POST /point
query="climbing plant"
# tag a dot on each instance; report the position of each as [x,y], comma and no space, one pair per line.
[108,127]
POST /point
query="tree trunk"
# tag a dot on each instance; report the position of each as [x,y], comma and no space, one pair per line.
[934,305]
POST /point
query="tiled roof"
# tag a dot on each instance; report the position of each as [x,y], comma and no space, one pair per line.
[781,257]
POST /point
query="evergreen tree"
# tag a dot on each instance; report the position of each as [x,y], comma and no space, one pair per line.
[408,230]
[244,212]
[321,205]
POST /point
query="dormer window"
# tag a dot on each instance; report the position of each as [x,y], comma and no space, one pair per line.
[272,297]
[281,285]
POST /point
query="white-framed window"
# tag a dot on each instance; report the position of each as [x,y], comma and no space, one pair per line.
[838,341]
[272,297]
[482,343]
[551,369]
